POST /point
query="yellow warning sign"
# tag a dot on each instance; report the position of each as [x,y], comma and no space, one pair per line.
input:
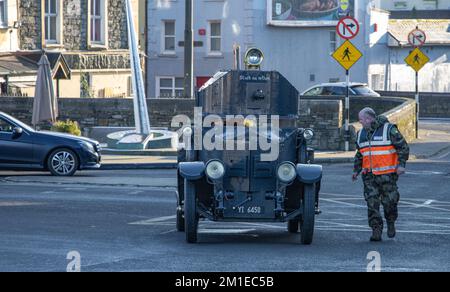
[347,55]
[417,59]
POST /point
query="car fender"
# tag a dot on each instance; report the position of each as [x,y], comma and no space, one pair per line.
[192,170]
[309,173]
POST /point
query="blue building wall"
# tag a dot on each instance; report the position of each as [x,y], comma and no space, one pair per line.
[301,54]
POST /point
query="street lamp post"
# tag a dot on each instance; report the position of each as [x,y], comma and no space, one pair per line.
[189,51]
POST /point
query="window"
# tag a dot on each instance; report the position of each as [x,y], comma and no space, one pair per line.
[3,15]
[6,126]
[314,91]
[400,5]
[377,81]
[97,22]
[339,90]
[215,37]
[333,42]
[169,87]
[169,36]
[52,25]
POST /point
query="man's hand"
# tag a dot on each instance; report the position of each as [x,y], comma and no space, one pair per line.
[355,176]
[401,170]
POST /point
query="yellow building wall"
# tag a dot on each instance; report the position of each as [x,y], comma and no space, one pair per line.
[8,34]
[104,84]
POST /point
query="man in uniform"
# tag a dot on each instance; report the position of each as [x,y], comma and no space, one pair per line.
[381,157]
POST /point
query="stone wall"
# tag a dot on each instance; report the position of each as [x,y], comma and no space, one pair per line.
[75,21]
[432,105]
[103,60]
[75,24]
[357,103]
[324,116]
[400,111]
[107,112]
[117,25]
[30,34]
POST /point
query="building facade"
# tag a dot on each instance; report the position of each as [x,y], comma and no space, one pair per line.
[8,26]
[297,39]
[90,34]
[402,5]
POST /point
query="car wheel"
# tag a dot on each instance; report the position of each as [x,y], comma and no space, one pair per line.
[190,212]
[63,162]
[307,220]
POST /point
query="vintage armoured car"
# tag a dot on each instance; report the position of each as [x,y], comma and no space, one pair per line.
[237,185]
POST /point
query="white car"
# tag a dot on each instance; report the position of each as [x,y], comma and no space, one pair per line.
[340,88]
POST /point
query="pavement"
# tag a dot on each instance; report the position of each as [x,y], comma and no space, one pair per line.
[434,140]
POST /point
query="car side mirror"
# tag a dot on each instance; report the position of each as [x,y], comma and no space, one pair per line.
[17,131]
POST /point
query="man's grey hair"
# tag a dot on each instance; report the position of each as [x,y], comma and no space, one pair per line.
[369,111]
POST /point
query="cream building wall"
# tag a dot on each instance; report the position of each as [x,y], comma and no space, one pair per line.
[104,84]
[8,34]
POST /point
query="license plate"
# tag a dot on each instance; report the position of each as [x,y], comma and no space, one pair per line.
[250,210]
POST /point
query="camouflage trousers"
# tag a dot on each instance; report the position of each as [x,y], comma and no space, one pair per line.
[381,189]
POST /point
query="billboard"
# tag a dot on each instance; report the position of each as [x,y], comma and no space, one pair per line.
[308,12]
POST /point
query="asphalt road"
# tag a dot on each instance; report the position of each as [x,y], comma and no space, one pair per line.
[122,221]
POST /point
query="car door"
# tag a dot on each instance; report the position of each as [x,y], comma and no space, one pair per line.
[15,150]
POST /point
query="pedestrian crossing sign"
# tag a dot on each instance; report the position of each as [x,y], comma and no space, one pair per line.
[347,55]
[417,59]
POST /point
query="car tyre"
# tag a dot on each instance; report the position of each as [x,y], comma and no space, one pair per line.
[190,212]
[307,219]
[63,162]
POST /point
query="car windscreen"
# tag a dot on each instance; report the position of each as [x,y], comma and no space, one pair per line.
[18,123]
[363,90]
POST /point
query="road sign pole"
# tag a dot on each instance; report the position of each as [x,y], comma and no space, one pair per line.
[347,112]
[189,51]
[417,104]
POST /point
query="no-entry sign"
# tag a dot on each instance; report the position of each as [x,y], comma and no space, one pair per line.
[347,28]
[417,38]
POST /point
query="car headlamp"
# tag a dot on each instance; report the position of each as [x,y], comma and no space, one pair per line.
[87,146]
[308,134]
[253,58]
[215,169]
[286,172]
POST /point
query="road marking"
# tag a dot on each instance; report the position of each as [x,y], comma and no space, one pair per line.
[136,193]
[342,195]
[343,203]
[224,231]
[426,172]
[424,206]
[444,155]
[153,220]
[433,232]
[167,232]
[75,189]
[19,204]
[263,225]
[342,224]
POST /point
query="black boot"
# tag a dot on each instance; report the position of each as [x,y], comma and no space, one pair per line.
[391,229]
[376,233]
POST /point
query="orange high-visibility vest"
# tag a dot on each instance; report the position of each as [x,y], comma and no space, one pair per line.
[379,155]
